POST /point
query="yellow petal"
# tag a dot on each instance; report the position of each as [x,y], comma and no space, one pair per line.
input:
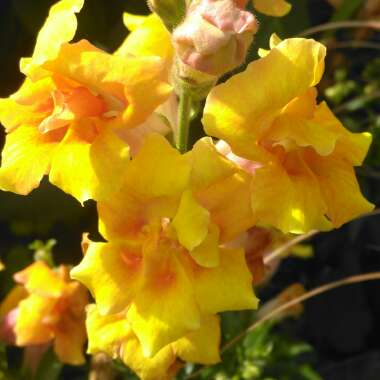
[201,346]
[240,110]
[226,287]
[165,308]
[106,333]
[36,276]
[30,327]
[60,27]
[158,170]
[207,253]
[26,158]
[112,272]
[89,168]
[276,8]
[340,190]
[70,337]
[148,37]
[291,203]
[191,222]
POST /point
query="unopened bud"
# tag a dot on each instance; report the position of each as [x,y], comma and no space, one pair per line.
[214,36]
[170,11]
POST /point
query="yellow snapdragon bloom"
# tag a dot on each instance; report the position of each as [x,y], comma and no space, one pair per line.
[276,8]
[300,156]
[46,307]
[112,334]
[65,119]
[163,263]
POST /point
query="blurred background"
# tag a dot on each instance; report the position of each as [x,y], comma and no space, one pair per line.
[337,337]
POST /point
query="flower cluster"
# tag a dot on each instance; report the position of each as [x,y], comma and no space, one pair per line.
[175,221]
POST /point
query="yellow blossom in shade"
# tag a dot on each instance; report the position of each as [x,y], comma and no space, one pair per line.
[164,229]
[300,156]
[47,314]
[276,8]
[113,335]
[67,118]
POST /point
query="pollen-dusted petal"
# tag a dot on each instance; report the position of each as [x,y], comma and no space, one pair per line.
[59,27]
[191,222]
[36,276]
[89,166]
[112,272]
[106,332]
[148,37]
[241,109]
[340,190]
[26,158]
[158,170]
[29,328]
[164,309]
[70,337]
[201,346]
[290,202]
[276,8]
[225,287]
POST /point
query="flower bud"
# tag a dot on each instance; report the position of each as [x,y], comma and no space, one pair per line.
[170,11]
[215,36]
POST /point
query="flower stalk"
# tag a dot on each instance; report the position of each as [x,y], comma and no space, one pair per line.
[184,118]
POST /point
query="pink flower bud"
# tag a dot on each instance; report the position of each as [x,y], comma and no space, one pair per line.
[215,36]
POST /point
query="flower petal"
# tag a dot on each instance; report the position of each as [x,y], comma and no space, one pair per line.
[89,167]
[276,8]
[112,272]
[164,309]
[201,346]
[240,110]
[26,158]
[225,287]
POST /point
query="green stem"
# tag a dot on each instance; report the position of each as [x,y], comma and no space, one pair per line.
[184,111]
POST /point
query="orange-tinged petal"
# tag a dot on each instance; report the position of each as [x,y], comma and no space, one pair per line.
[89,167]
[296,203]
[12,299]
[276,8]
[241,109]
[156,315]
[35,278]
[112,272]
[60,27]
[133,86]
[201,346]
[70,337]
[26,158]
[148,36]
[225,287]
[191,222]
[340,190]
[30,328]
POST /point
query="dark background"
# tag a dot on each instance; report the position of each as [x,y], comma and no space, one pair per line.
[342,325]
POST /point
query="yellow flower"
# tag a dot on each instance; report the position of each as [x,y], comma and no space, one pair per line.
[163,260]
[300,156]
[112,334]
[65,119]
[46,307]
